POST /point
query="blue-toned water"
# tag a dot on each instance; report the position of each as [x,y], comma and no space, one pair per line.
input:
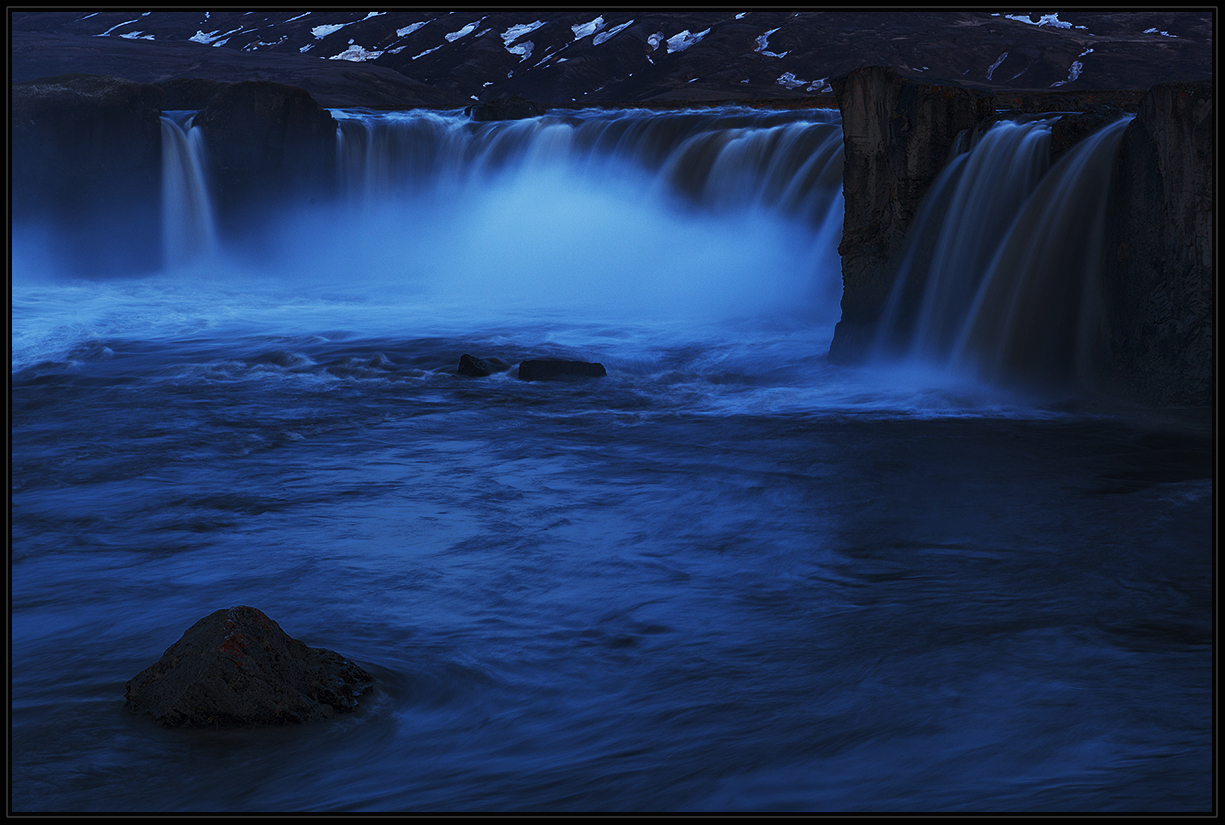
[729,576]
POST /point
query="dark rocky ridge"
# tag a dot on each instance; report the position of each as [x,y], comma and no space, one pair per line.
[402,59]
[1158,289]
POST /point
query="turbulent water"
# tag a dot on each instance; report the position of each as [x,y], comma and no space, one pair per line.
[729,576]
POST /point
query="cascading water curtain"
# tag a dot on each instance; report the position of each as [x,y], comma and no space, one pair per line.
[1002,268]
[188,228]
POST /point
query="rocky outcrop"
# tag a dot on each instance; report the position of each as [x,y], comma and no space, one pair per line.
[507,108]
[1158,277]
[86,154]
[267,142]
[897,134]
[1075,127]
[473,367]
[189,92]
[554,369]
[237,667]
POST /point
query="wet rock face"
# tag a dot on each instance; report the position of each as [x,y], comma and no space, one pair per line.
[897,134]
[1158,281]
[87,152]
[266,142]
[237,668]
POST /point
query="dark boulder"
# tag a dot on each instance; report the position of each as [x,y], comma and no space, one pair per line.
[473,367]
[237,667]
[267,143]
[553,369]
[897,135]
[506,108]
[86,159]
[1158,279]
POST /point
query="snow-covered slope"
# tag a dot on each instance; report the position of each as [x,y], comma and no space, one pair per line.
[623,56]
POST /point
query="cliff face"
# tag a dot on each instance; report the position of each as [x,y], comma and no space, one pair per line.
[897,135]
[1157,287]
[87,151]
[1157,273]
[267,142]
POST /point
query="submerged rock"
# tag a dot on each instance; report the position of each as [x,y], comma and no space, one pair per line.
[474,367]
[237,668]
[552,369]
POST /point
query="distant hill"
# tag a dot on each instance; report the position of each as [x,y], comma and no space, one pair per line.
[449,59]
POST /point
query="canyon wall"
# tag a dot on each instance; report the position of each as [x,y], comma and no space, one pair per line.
[897,135]
[1158,279]
[1157,273]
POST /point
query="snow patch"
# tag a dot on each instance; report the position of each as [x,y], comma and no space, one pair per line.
[201,37]
[819,85]
[764,40]
[427,51]
[682,41]
[524,49]
[290,20]
[996,64]
[790,81]
[136,36]
[112,28]
[356,54]
[306,48]
[740,16]
[1073,73]
[373,14]
[1043,20]
[654,40]
[407,30]
[466,30]
[584,29]
[602,36]
[321,32]
[1163,34]
[515,32]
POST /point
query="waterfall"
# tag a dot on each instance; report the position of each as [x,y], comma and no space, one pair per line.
[1001,272]
[188,230]
[622,204]
[784,162]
